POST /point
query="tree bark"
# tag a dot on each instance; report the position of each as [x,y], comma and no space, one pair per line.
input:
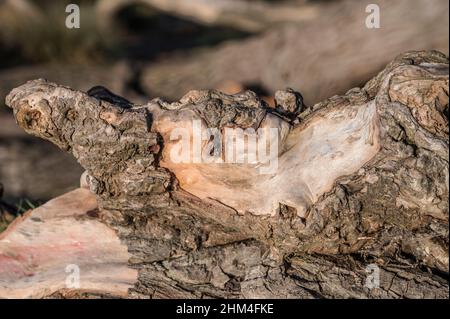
[361,185]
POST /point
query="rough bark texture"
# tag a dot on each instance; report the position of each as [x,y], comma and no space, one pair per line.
[391,211]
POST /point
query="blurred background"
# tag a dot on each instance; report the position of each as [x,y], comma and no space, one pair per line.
[142,49]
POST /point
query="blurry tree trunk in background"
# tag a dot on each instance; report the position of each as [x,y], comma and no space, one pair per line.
[325,53]
[246,15]
[321,56]
[386,220]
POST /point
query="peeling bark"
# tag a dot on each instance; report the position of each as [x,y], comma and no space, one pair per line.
[362,179]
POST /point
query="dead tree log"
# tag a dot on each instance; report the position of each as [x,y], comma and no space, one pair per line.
[361,184]
[316,56]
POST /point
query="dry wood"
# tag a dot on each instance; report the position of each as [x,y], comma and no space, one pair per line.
[362,179]
[38,250]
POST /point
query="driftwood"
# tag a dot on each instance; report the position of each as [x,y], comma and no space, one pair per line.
[361,184]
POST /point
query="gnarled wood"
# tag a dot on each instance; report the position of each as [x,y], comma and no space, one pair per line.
[362,179]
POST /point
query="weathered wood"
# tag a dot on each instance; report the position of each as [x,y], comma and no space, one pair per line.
[40,250]
[362,180]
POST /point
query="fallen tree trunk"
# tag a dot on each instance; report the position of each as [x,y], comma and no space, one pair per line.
[241,14]
[360,189]
[320,57]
